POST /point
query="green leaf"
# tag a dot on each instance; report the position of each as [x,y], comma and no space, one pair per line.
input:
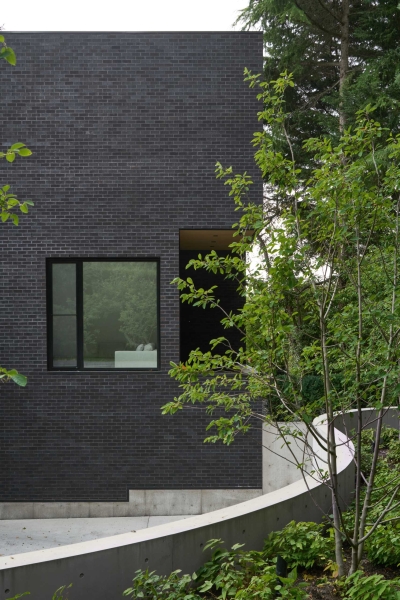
[10,157]
[17,146]
[19,379]
[25,152]
[10,57]
[12,202]
[5,216]
[2,39]
[206,586]
[23,208]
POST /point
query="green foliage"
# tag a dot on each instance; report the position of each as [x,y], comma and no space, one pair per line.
[388,438]
[322,300]
[300,544]
[61,593]
[394,451]
[383,547]
[280,308]
[16,149]
[367,441]
[150,586]
[388,435]
[268,586]
[304,37]
[243,574]
[8,203]
[387,480]
[233,574]
[374,587]
[12,375]
[312,388]
[6,52]
[228,571]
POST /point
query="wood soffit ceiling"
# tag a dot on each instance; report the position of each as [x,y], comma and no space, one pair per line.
[206,239]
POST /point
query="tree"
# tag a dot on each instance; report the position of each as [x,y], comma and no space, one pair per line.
[328,275]
[9,202]
[344,54]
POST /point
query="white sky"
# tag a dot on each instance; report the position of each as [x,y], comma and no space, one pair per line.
[120,15]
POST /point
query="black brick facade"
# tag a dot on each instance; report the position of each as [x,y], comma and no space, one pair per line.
[125,129]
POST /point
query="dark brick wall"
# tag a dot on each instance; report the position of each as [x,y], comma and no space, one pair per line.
[125,131]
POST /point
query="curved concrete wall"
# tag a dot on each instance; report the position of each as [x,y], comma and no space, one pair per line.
[104,568]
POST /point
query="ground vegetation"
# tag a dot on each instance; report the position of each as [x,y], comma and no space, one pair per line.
[306,551]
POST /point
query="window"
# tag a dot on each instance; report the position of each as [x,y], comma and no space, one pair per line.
[102,314]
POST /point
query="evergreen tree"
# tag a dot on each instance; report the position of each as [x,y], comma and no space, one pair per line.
[344,54]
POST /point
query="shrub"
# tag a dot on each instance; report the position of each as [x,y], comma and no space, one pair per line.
[244,575]
[394,451]
[268,586]
[375,587]
[388,435]
[59,594]
[312,388]
[367,441]
[229,571]
[150,586]
[300,545]
[383,547]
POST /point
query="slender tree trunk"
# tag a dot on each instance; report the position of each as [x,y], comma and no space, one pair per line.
[331,443]
[370,485]
[356,530]
[344,61]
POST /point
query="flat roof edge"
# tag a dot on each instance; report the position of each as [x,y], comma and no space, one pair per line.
[138,32]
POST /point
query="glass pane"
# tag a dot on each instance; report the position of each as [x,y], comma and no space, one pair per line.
[64,341]
[64,289]
[120,315]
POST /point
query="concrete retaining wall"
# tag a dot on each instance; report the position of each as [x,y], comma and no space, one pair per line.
[280,459]
[149,503]
[104,568]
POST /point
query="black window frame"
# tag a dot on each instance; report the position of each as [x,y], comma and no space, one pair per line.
[78,262]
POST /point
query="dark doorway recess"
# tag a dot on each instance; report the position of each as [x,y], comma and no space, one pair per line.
[197,325]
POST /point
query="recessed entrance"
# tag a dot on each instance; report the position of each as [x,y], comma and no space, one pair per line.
[197,325]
